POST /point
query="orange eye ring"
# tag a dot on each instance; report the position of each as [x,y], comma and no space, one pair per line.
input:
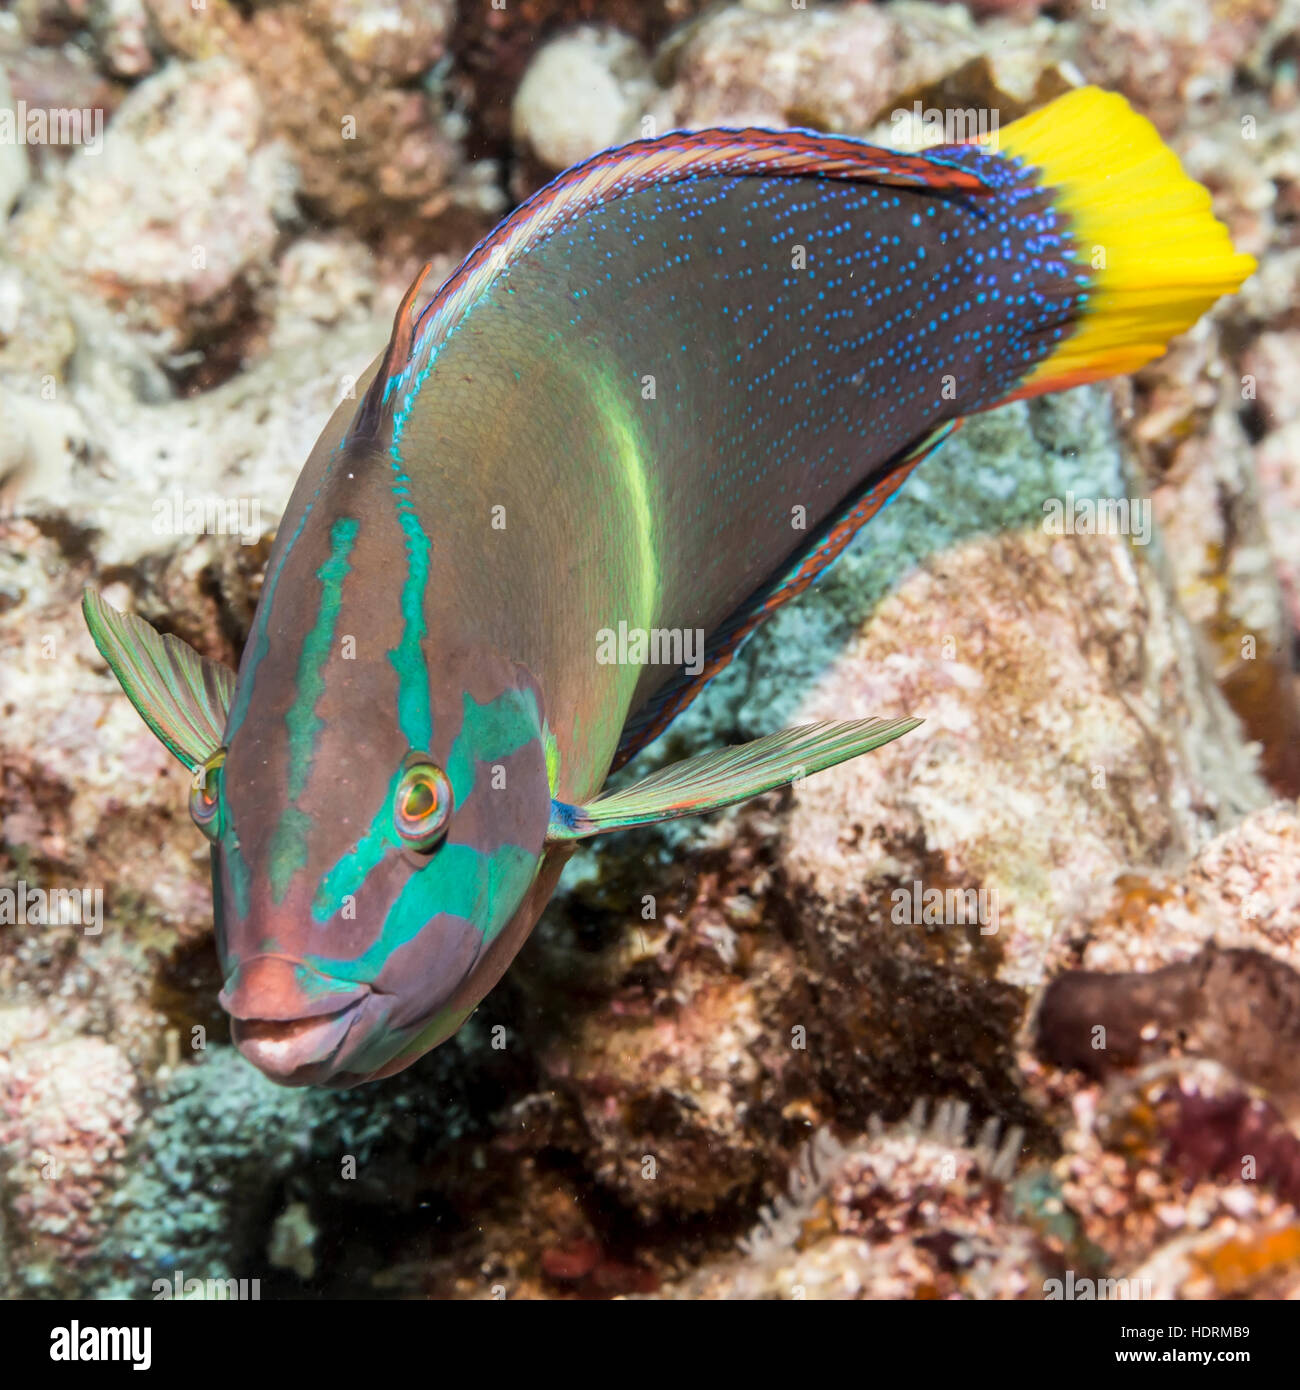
[422,804]
[205,795]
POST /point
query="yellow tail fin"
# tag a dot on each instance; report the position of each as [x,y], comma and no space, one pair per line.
[1158,256]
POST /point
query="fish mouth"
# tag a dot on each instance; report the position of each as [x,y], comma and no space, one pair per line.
[296,1051]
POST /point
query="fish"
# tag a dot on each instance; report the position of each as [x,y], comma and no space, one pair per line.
[648,409]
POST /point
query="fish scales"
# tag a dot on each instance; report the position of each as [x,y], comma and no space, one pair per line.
[669,512]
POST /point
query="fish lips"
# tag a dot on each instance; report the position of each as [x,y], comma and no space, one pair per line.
[292,1023]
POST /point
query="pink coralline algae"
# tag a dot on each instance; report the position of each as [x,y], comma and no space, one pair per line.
[67,1113]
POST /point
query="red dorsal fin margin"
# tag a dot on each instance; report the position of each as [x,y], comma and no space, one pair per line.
[396,356]
[617,173]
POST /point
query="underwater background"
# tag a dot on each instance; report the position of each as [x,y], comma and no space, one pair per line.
[786,1076]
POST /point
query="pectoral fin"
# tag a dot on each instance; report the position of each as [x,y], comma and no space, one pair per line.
[182,696]
[710,781]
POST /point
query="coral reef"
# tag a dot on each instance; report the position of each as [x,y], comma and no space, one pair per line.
[909,1210]
[609,78]
[701,1076]
[68,1110]
[110,222]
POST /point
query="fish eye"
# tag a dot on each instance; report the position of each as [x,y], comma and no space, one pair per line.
[205,795]
[422,805]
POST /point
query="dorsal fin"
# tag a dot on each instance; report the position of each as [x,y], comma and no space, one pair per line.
[370,411]
[617,173]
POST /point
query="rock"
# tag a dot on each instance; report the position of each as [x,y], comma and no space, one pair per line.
[123,38]
[949,636]
[1272,364]
[1170,54]
[37,336]
[323,284]
[68,1110]
[395,40]
[1164,1044]
[1241,892]
[293,1238]
[1221,489]
[222,1142]
[1277,458]
[51,21]
[832,69]
[57,84]
[338,84]
[1235,1006]
[196,448]
[14,168]
[728,1063]
[581,93]
[1005,64]
[1201,962]
[170,243]
[1271,374]
[1152,1198]
[918,1207]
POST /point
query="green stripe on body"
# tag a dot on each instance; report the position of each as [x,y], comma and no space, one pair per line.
[288,850]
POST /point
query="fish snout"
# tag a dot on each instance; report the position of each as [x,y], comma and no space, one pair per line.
[294,1051]
[289,1020]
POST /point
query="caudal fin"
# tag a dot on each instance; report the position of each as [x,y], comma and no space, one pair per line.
[1142,228]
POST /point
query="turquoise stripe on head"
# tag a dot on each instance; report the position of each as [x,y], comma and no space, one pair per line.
[348,935]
